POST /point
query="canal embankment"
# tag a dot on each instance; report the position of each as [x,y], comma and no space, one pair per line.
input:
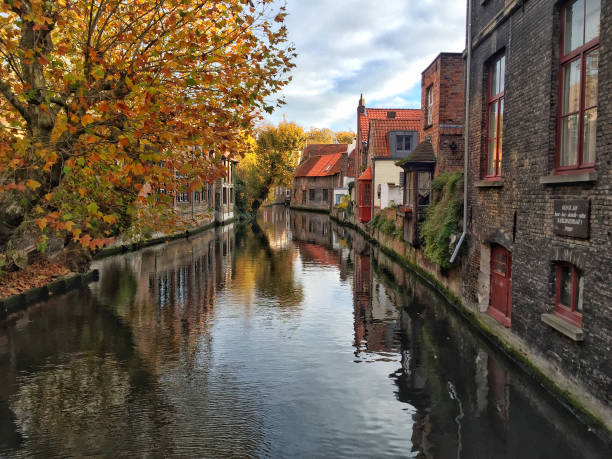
[63,284]
[575,398]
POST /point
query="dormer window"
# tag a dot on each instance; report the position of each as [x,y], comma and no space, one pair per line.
[391,115]
[403,142]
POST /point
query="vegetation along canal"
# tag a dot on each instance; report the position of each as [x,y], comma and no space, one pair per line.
[291,338]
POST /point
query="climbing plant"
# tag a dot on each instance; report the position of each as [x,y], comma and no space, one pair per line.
[442,218]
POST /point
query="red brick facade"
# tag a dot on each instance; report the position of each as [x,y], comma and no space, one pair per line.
[445,79]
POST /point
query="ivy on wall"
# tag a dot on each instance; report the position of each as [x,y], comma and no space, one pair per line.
[442,218]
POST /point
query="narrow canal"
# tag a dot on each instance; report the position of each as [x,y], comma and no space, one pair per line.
[294,338]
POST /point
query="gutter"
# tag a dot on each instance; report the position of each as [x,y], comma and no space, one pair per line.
[466,137]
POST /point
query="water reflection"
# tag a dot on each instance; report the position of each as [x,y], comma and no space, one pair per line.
[292,337]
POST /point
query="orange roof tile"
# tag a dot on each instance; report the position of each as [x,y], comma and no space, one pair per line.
[379,134]
[318,149]
[382,114]
[320,166]
[367,174]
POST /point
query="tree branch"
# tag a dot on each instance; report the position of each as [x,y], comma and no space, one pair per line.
[10,96]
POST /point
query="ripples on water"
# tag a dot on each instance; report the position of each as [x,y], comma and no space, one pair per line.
[291,338]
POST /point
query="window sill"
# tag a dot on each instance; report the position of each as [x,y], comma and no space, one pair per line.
[489,183]
[563,326]
[567,179]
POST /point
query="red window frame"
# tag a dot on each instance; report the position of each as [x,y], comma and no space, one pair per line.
[568,312]
[566,59]
[497,99]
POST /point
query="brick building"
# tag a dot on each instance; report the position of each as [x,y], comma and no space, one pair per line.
[442,105]
[316,178]
[441,146]
[540,208]
[363,189]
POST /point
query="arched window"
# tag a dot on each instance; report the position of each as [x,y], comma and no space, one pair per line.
[568,292]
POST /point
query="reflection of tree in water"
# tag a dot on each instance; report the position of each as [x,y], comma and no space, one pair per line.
[68,388]
[271,270]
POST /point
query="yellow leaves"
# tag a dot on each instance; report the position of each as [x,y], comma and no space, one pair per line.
[32,184]
[110,219]
[82,191]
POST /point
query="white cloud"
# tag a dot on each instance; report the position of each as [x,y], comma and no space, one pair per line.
[378,47]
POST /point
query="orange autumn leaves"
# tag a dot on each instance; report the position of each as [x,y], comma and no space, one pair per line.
[103,100]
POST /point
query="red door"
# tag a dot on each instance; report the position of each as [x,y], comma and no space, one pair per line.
[500,306]
[365,206]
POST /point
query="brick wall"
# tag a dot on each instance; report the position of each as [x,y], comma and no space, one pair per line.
[519,213]
[445,75]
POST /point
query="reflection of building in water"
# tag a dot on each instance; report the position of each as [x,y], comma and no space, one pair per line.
[375,314]
[275,221]
[171,300]
[467,401]
[313,228]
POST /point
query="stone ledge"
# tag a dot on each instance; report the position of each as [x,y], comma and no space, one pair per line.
[489,183]
[563,326]
[566,179]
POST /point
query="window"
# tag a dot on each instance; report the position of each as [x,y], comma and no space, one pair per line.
[402,142]
[224,195]
[196,196]
[495,116]
[303,196]
[203,194]
[367,191]
[182,197]
[325,195]
[311,194]
[429,108]
[578,75]
[231,195]
[402,178]
[568,302]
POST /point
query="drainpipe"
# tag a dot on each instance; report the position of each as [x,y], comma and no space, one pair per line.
[466,136]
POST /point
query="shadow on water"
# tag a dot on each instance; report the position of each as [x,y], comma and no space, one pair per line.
[290,337]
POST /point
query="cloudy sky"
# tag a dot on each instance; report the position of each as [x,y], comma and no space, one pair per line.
[378,47]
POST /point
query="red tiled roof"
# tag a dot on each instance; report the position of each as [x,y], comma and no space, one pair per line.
[320,166]
[319,149]
[318,254]
[381,114]
[378,140]
[367,174]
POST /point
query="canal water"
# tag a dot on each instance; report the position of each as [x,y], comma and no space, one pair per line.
[290,338]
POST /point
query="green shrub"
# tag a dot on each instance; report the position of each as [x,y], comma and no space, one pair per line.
[442,218]
[383,224]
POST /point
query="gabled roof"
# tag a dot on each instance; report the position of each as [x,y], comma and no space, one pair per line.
[423,154]
[384,114]
[318,149]
[320,166]
[379,134]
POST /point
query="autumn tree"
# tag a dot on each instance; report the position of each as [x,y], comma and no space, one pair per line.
[345,137]
[103,102]
[271,161]
[320,135]
[326,135]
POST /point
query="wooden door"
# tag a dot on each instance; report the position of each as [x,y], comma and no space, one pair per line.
[500,306]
